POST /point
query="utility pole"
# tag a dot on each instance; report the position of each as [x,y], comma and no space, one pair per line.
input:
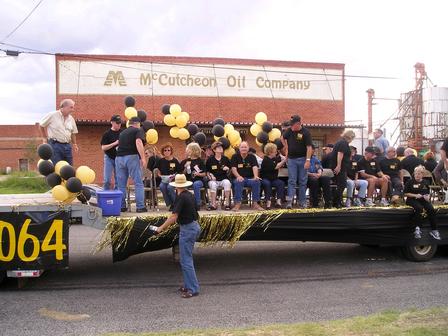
[370,97]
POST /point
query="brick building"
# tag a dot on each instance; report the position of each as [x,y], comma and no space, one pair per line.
[234,89]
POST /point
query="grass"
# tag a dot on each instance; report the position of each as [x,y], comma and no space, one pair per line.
[429,322]
[23,183]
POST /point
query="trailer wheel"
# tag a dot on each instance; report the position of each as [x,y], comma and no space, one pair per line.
[419,252]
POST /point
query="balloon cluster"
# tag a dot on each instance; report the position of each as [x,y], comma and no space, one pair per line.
[66,182]
[264,132]
[227,135]
[148,126]
[177,120]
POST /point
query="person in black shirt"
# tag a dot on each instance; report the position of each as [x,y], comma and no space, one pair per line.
[167,167]
[130,161]
[109,144]
[297,147]
[185,213]
[355,156]
[369,170]
[218,169]
[340,163]
[416,191]
[270,165]
[327,154]
[354,182]
[194,169]
[391,168]
[410,161]
[430,161]
[245,169]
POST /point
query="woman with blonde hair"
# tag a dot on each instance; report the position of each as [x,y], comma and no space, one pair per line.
[167,167]
[194,169]
[270,165]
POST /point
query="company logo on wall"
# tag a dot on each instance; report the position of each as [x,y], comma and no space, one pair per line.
[115,77]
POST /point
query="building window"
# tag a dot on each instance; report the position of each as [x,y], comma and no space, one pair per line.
[23,165]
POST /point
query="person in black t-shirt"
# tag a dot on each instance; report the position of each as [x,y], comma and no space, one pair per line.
[130,161]
[340,163]
[109,144]
[391,168]
[245,170]
[369,170]
[416,191]
[327,154]
[218,170]
[411,161]
[270,165]
[297,147]
[167,167]
[185,213]
[354,182]
[194,169]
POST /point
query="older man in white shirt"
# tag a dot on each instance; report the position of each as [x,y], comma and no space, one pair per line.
[58,128]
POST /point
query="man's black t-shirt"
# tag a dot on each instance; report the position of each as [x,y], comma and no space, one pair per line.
[168,167]
[297,142]
[186,208]
[410,162]
[215,167]
[341,147]
[244,166]
[152,162]
[127,139]
[108,137]
[196,166]
[391,167]
[353,169]
[414,187]
[268,170]
[370,167]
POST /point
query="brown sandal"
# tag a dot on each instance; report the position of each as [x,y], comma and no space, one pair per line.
[188,295]
[182,290]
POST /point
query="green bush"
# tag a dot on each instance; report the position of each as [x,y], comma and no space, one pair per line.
[23,183]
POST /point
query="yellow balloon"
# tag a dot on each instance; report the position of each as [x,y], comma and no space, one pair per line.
[260,118]
[59,165]
[130,112]
[85,174]
[236,143]
[255,129]
[216,138]
[169,120]
[274,134]
[183,134]
[71,197]
[228,128]
[175,110]
[174,132]
[152,136]
[185,115]
[181,121]
[60,193]
[233,136]
[229,152]
[127,124]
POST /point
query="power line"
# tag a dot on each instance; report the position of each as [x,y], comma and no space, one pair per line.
[22,22]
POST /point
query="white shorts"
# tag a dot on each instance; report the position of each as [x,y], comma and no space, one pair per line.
[225,184]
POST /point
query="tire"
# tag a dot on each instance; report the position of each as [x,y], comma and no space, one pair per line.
[419,252]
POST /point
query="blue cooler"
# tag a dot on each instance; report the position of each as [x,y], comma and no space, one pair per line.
[109,201]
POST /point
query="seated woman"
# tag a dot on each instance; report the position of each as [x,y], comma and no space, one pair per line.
[194,169]
[218,169]
[441,178]
[167,168]
[416,191]
[317,181]
[270,165]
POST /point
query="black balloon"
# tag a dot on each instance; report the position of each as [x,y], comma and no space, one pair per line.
[45,167]
[218,130]
[262,137]
[141,115]
[85,195]
[45,151]
[219,121]
[200,138]
[67,171]
[147,125]
[129,101]
[74,185]
[193,129]
[266,127]
[53,180]
[166,109]
[225,142]
[279,143]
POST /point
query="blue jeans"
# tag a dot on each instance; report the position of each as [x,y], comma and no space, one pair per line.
[61,152]
[188,235]
[297,171]
[278,184]
[197,185]
[168,192]
[360,184]
[109,168]
[126,166]
[239,186]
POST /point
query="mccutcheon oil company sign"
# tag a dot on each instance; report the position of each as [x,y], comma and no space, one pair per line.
[207,80]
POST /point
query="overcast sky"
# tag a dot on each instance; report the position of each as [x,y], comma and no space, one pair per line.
[372,38]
